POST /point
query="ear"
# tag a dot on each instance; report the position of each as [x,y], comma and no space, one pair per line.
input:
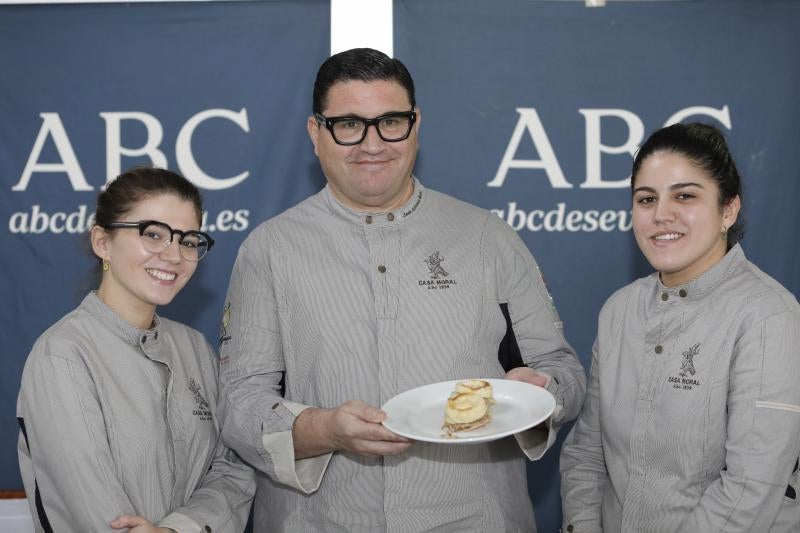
[419,119]
[100,242]
[730,211]
[313,128]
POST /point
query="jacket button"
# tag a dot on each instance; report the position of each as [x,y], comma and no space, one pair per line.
[144,338]
[207,529]
[570,529]
[390,217]
[381,269]
[682,292]
[659,349]
[368,219]
[664,296]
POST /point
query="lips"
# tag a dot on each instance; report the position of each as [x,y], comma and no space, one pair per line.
[370,162]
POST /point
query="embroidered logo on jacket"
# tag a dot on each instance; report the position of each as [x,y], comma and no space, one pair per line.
[202,410]
[226,321]
[685,380]
[438,275]
[434,262]
[687,368]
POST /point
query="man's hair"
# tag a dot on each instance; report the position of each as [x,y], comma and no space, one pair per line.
[361,64]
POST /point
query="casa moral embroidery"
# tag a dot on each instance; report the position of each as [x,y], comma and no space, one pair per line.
[202,410]
[685,379]
[438,275]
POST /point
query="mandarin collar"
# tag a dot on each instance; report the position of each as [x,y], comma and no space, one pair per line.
[129,333]
[705,282]
[377,218]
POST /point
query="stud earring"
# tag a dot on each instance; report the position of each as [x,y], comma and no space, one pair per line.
[106,266]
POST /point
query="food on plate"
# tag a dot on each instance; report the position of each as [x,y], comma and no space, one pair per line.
[479,386]
[468,406]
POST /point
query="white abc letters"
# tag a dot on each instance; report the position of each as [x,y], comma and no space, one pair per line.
[52,126]
[154,134]
[722,115]
[183,149]
[529,120]
[115,150]
[594,148]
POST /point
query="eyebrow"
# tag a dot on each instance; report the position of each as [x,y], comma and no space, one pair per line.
[356,115]
[673,187]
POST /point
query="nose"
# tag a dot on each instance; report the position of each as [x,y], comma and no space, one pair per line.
[372,143]
[663,211]
[171,251]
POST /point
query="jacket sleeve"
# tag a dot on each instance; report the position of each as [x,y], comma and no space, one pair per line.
[256,420]
[583,469]
[538,333]
[222,499]
[64,448]
[763,430]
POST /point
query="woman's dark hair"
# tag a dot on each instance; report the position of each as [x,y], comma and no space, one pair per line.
[705,147]
[137,184]
[361,64]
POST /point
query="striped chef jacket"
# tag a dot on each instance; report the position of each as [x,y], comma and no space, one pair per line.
[330,305]
[692,419]
[117,420]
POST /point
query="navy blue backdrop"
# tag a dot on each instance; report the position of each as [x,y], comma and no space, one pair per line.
[577,80]
[211,90]
[530,108]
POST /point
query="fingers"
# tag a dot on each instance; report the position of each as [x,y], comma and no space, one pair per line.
[381,448]
[128,521]
[366,423]
[528,375]
[355,427]
[377,432]
[365,411]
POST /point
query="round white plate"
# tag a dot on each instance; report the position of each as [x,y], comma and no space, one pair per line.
[419,413]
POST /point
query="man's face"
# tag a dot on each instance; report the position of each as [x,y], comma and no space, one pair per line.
[374,175]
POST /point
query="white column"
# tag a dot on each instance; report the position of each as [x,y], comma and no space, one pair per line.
[361,24]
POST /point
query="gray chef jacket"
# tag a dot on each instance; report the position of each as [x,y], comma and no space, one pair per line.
[692,419]
[116,420]
[344,305]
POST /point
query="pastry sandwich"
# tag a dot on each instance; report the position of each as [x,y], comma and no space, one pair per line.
[468,406]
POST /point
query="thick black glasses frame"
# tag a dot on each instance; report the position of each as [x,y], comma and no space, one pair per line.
[329,122]
[143,224]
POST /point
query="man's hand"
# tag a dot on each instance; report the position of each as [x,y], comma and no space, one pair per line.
[137,524]
[528,375]
[353,427]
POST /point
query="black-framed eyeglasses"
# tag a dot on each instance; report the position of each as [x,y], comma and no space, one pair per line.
[348,131]
[157,236]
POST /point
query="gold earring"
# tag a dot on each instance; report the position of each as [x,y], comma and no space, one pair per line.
[106,266]
[724,234]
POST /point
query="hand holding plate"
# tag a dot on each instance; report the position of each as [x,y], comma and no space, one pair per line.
[528,375]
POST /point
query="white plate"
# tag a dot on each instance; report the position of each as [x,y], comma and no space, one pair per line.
[419,413]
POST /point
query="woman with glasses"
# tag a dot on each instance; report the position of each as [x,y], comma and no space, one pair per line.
[692,418]
[117,408]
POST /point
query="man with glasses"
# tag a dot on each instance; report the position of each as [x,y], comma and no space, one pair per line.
[374,286]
